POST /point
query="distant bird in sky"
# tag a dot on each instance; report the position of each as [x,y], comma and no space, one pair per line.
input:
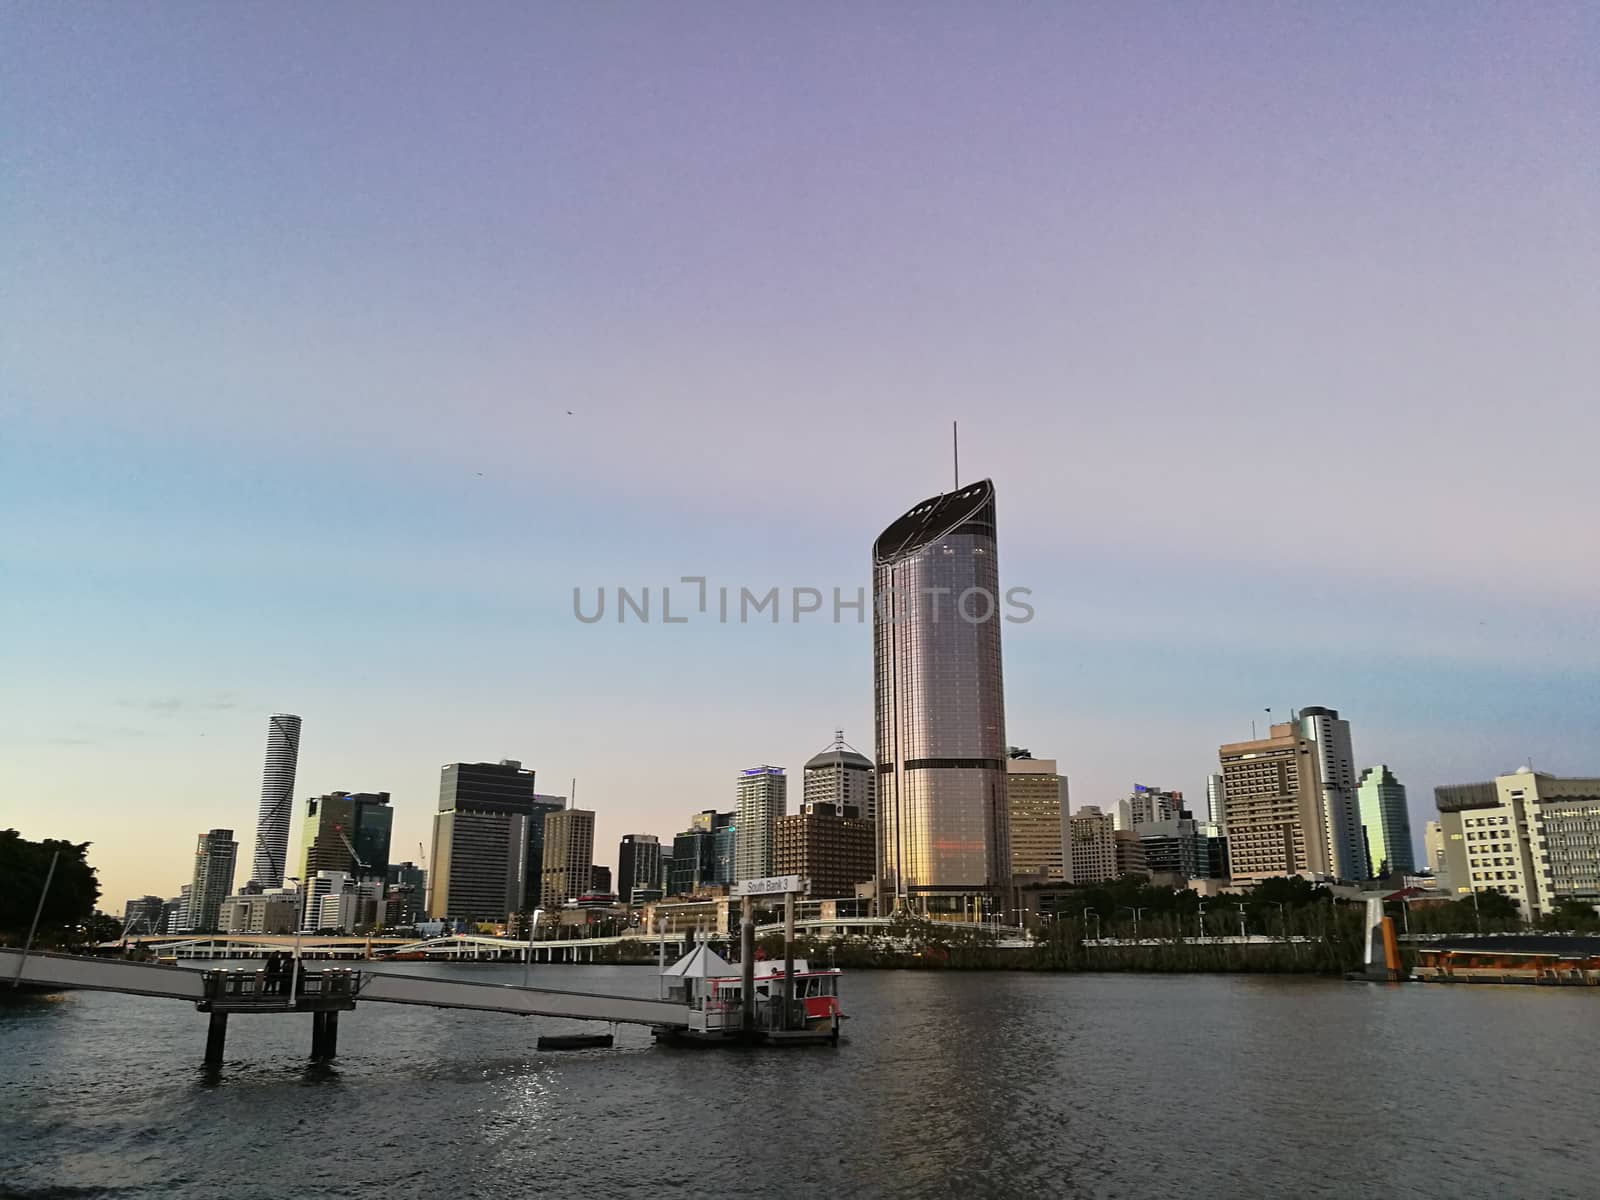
[569,412]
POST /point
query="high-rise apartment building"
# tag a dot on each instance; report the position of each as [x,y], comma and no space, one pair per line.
[1272,806]
[842,777]
[1385,823]
[600,880]
[1036,804]
[215,856]
[1329,734]
[939,697]
[346,831]
[275,812]
[488,841]
[762,799]
[568,857]
[1146,805]
[1533,837]
[831,845]
[1093,838]
[638,864]
[1214,798]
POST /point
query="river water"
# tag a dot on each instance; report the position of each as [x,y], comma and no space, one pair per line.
[950,1084]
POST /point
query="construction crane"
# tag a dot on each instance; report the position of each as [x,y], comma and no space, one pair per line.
[422,859]
[350,846]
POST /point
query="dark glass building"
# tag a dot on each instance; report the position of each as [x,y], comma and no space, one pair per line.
[943,841]
[488,841]
[346,831]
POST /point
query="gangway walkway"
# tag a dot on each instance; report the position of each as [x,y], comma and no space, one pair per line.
[224,992]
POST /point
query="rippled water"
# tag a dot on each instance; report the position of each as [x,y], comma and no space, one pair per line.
[951,1084]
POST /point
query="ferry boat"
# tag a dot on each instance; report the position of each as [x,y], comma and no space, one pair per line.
[713,988]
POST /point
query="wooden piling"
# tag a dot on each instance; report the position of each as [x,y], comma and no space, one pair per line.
[216,1039]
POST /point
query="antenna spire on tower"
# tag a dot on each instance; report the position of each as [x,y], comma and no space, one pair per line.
[955,451]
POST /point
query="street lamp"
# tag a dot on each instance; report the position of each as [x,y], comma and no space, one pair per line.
[1136,913]
[1086,913]
[1200,920]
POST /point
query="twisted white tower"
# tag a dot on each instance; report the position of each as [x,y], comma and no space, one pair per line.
[277,800]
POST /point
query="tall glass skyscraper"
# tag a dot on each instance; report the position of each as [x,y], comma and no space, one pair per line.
[276,810]
[1386,822]
[943,837]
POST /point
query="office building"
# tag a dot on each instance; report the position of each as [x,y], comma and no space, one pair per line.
[1093,845]
[1272,805]
[1183,848]
[1329,736]
[939,700]
[1214,798]
[703,855]
[144,916]
[832,846]
[842,776]
[568,857]
[1130,853]
[1385,823]
[275,812]
[638,864]
[215,857]
[1036,805]
[264,912]
[1433,850]
[1147,805]
[1533,837]
[762,799]
[346,831]
[599,880]
[488,841]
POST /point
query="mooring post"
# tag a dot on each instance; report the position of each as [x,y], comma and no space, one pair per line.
[330,1034]
[788,955]
[216,1039]
[318,1027]
[747,964]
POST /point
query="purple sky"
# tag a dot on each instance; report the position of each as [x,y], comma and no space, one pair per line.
[1275,327]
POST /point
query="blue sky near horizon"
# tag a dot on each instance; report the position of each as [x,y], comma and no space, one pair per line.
[1273,327]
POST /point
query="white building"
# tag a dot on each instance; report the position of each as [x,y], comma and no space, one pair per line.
[1214,796]
[843,777]
[1341,812]
[763,797]
[1534,837]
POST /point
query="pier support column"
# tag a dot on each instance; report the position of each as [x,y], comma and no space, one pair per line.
[216,1039]
[330,1035]
[788,955]
[747,964]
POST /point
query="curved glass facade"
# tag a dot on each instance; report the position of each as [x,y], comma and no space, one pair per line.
[943,841]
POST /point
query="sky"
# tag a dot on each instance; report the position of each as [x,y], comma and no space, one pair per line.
[338,346]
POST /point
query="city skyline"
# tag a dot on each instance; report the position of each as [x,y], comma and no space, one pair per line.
[300,419]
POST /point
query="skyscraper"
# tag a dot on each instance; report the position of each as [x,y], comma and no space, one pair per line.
[703,855]
[488,839]
[349,832]
[943,839]
[215,856]
[1214,798]
[276,810]
[1386,823]
[1272,806]
[638,864]
[1341,812]
[568,857]
[842,777]
[763,797]
[1036,804]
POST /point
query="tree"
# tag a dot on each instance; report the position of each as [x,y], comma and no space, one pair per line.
[23,868]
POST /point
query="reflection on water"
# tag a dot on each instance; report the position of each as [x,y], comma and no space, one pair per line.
[1010,1084]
